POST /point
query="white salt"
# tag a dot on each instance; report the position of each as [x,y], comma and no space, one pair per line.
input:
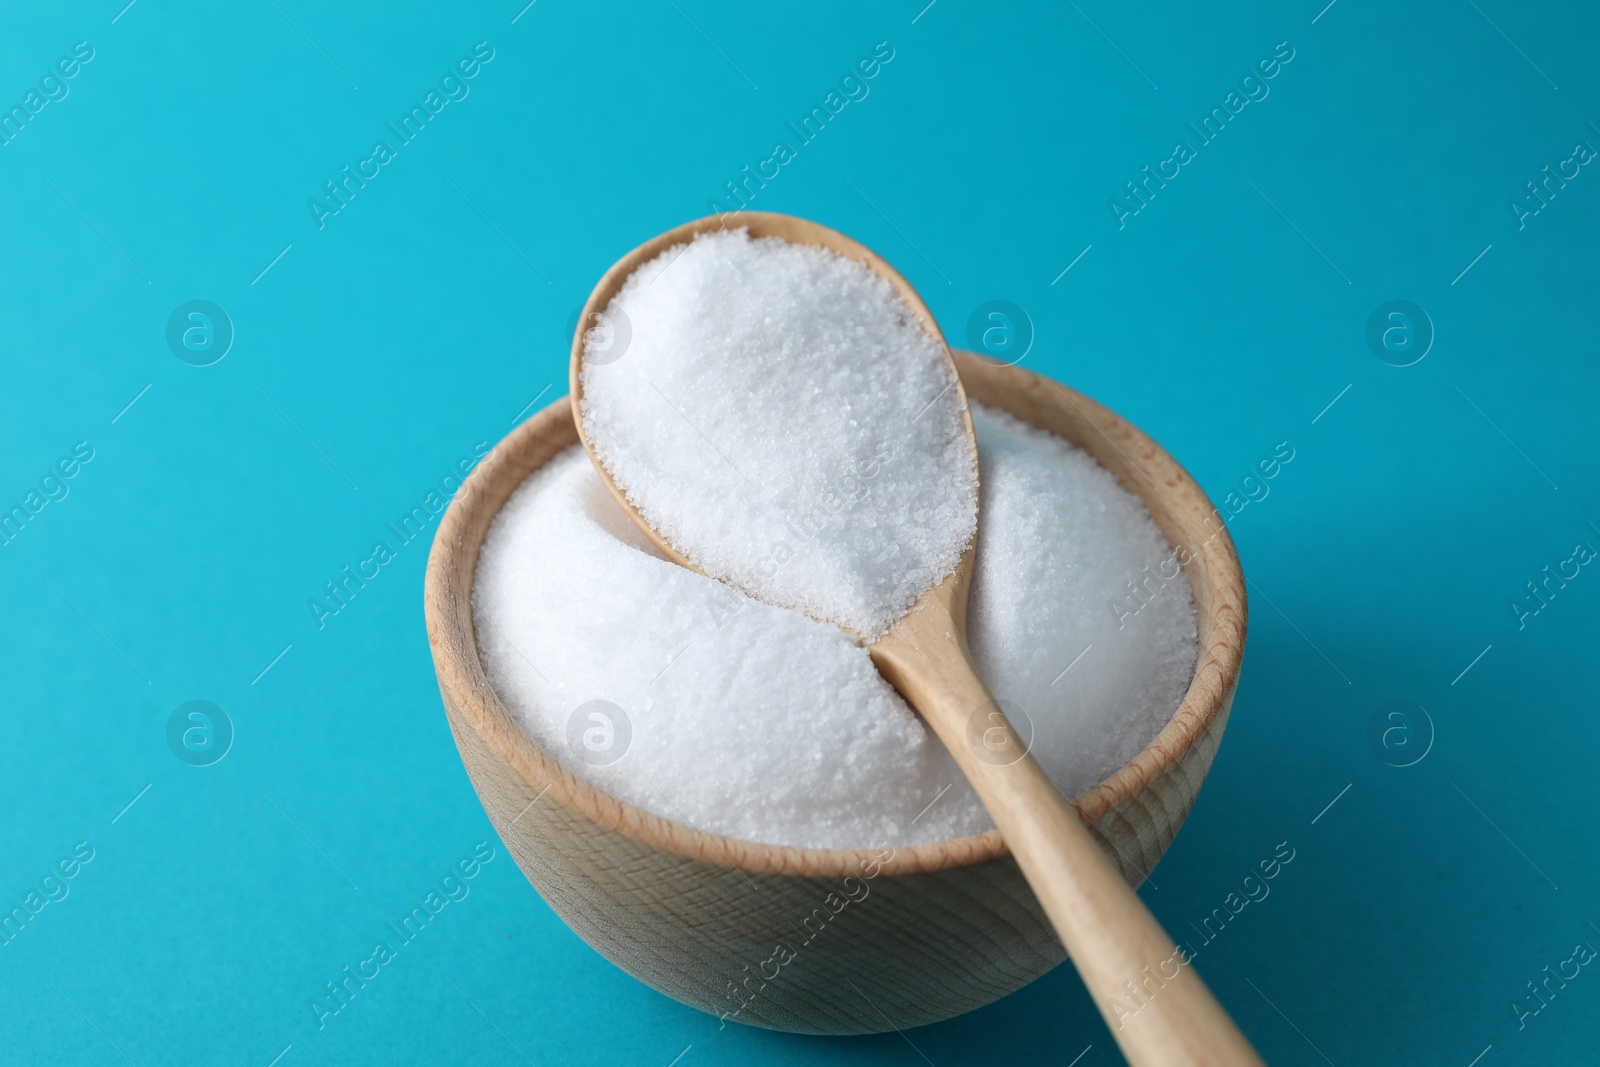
[1071,565]
[745,719]
[758,722]
[781,418]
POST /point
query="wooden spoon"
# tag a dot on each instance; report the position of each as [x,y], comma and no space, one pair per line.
[1157,1006]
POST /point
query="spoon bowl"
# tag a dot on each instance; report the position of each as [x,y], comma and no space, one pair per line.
[760,224]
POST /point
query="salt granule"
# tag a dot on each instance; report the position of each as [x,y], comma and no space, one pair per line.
[782,419]
[758,722]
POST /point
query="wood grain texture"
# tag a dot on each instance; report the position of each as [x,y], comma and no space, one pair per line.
[908,936]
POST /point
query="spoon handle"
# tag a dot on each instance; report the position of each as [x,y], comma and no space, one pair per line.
[1158,1008]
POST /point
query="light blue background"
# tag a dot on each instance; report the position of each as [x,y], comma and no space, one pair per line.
[424,318]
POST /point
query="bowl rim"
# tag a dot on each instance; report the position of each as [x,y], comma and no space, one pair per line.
[471,702]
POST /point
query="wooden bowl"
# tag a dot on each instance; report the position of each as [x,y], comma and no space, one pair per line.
[926,932]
